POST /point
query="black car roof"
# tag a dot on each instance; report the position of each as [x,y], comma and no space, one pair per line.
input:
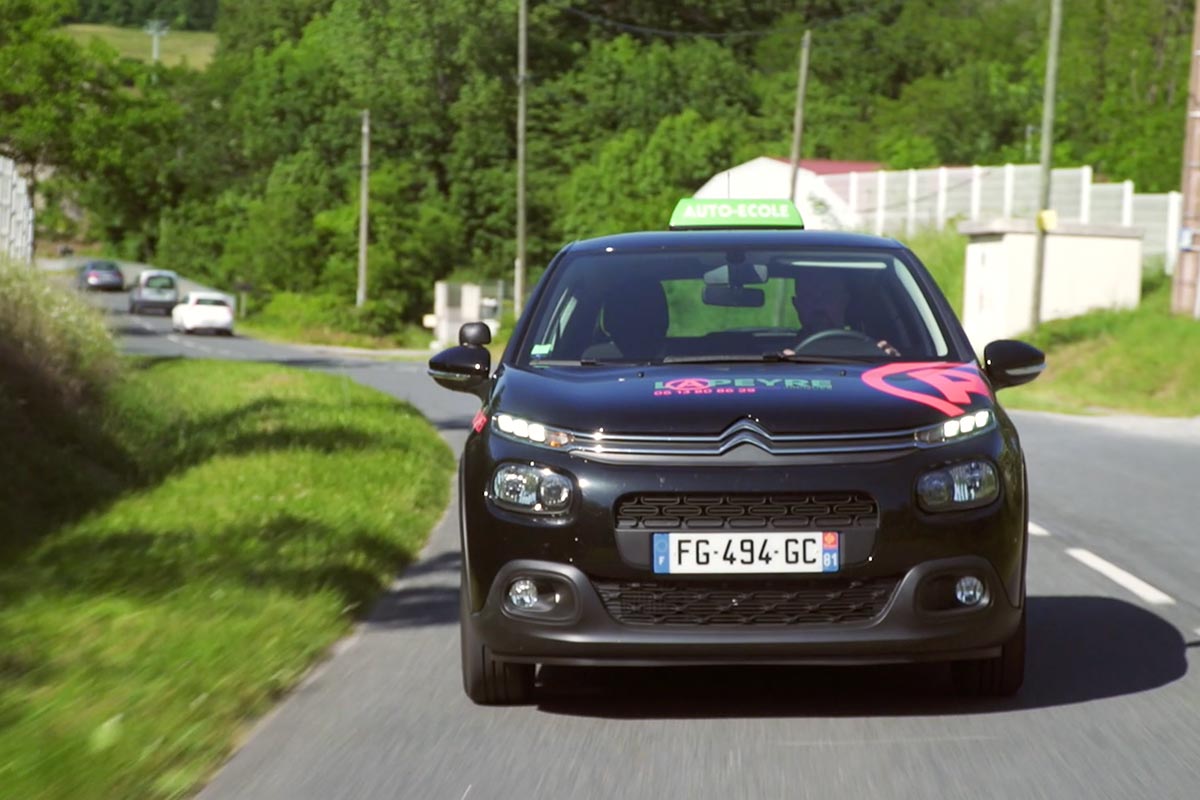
[668,240]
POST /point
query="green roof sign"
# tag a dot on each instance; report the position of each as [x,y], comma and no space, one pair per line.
[693,214]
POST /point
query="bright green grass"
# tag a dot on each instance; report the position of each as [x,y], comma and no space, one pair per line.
[195,48]
[1143,361]
[325,319]
[263,509]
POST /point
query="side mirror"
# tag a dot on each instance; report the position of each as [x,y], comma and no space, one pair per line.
[475,333]
[464,368]
[1012,363]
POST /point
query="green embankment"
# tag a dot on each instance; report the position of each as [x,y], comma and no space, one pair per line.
[193,48]
[179,541]
[1142,361]
[327,320]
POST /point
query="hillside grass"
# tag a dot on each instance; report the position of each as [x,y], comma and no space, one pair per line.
[1141,361]
[191,48]
[327,320]
[179,542]
[259,511]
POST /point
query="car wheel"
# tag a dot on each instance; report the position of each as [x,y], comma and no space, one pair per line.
[1001,676]
[487,681]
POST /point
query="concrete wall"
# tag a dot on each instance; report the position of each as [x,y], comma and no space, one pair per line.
[1087,267]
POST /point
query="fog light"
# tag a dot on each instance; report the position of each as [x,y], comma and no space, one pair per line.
[969,591]
[523,593]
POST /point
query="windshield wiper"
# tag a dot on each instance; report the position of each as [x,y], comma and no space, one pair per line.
[802,358]
[585,362]
[797,358]
[741,358]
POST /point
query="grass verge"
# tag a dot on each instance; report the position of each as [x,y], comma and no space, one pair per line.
[250,512]
[323,319]
[194,48]
[1141,361]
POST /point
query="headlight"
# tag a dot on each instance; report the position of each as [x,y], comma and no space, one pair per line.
[534,432]
[532,489]
[967,485]
[957,429]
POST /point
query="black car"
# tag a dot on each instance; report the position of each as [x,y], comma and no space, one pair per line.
[748,444]
[100,275]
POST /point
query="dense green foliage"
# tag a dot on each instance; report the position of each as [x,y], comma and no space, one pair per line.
[193,15]
[248,172]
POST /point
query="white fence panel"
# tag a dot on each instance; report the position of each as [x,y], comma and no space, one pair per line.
[899,202]
[16,215]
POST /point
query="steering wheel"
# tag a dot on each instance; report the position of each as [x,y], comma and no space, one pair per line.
[837,333]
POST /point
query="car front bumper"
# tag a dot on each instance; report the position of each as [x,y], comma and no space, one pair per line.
[905,630]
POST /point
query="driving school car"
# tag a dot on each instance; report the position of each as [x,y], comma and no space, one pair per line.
[739,442]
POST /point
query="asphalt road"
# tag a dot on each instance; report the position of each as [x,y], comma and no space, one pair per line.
[1110,708]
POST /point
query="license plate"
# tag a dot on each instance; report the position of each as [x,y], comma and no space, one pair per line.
[724,553]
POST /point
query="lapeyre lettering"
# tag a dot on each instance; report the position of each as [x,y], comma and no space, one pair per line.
[700,384]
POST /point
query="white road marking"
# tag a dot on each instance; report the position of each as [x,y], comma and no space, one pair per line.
[172,338]
[1117,575]
[467,792]
[1037,530]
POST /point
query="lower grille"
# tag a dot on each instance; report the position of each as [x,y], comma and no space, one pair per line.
[813,602]
[735,511]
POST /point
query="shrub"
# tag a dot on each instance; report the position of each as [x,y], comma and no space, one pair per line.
[53,347]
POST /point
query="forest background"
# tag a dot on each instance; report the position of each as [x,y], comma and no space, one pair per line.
[246,172]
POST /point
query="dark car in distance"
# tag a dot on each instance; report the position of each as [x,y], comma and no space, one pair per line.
[100,275]
[739,442]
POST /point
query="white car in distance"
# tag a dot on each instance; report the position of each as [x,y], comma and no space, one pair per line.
[203,311]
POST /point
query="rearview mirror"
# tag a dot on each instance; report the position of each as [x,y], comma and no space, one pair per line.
[462,369]
[733,297]
[1009,362]
[475,333]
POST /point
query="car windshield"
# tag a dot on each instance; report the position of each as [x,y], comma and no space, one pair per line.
[102,266]
[210,301]
[160,282]
[818,304]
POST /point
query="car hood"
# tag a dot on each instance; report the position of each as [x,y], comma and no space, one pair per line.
[707,399]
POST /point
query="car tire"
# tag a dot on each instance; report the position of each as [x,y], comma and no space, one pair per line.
[486,681]
[1001,676]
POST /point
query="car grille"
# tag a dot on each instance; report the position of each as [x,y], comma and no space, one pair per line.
[814,602]
[706,512]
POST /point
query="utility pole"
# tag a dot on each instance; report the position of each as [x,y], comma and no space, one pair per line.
[365,170]
[1045,218]
[1183,290]
[519,271]
[798,119]
[157,29]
